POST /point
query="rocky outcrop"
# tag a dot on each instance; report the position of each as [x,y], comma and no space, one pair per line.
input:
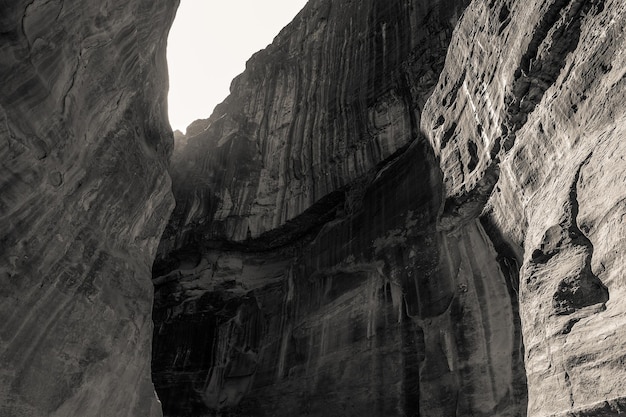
[84,197]
[380,314]
[403,208]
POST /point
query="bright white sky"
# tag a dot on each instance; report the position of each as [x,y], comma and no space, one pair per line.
[209,44]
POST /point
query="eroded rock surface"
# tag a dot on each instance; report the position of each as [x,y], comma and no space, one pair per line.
[84,197]
[338,92]
[528,117]
[308,269]
[362,230]
[403,208]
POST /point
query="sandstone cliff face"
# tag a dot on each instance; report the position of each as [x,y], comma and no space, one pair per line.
[528,118]
[362,230]
[307,269]
[84,197]
[339,91]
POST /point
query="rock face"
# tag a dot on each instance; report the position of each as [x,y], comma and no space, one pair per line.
[363,230]
[309,267]
[339,91]
[84,197]
[405,207]
[528,118]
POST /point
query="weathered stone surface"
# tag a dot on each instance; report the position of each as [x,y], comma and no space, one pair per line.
[384,218]
[310,268]
[381,314]
[362,239]
[84,197]
[339,91]
[528,118]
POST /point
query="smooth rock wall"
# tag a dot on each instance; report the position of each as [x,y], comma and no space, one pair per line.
[386,315]
[84,198]
[382,313]
[368,301]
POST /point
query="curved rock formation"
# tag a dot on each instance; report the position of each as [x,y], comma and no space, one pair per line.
[84,197]
[307,253]
[338,92]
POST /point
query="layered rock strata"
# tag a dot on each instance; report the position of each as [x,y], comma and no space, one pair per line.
[338,92]
[361,229]
[84,197]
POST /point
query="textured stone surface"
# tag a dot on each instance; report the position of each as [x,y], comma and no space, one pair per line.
[529,116]
[385,217]
[307,269]
[339,91]
[84,197]
[364,231]
[380,314]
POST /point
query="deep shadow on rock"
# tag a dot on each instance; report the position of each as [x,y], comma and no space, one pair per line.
[403,208]
[458,261]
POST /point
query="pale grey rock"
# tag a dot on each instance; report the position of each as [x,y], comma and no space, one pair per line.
[546,86]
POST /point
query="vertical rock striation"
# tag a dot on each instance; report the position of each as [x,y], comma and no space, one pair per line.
[310,267]
[338,92]
[405,207]
[84,197]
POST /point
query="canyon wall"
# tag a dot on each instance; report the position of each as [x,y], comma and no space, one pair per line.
[84,197]
[308,268]
[528,122]
[389,217]
[408,207]
[338,92]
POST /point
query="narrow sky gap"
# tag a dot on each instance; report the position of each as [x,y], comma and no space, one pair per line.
[209,44]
